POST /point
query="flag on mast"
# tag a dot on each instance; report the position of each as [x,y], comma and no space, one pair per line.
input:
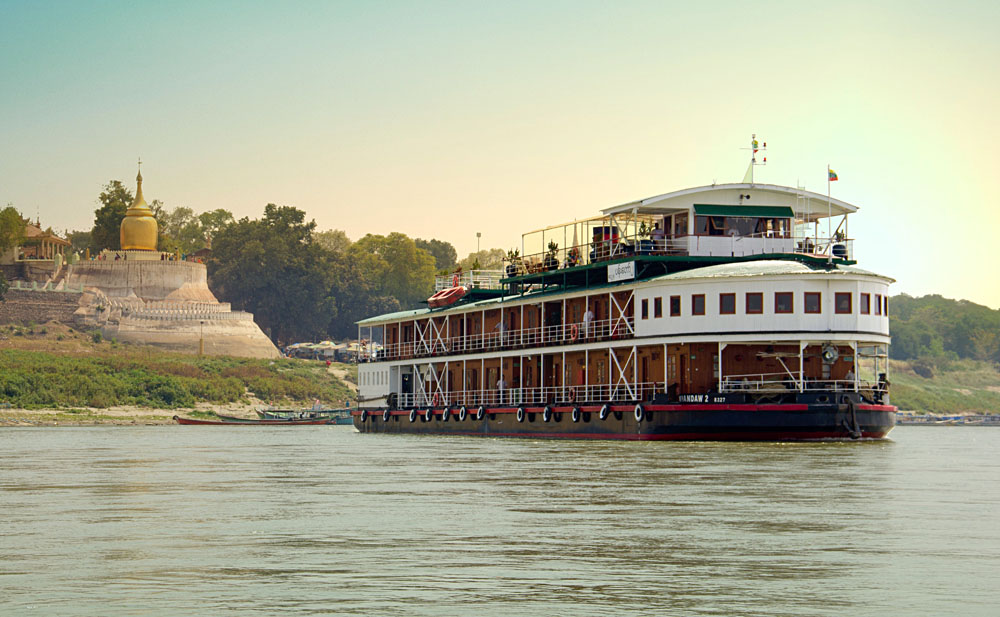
[832,175]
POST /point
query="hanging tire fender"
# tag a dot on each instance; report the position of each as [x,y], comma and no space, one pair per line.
[575,414]
[480,412]
[605,411]
[364,416]
[639,413]
[445,413]
[547,413]
[386,415]
[413,415]
[428,415]
[462,413]
[520,414]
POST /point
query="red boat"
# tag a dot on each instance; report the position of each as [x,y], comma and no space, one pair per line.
[181,420]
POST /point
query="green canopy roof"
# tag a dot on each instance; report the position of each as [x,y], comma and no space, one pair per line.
[758,211]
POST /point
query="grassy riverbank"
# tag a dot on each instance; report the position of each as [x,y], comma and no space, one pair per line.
[961,386]
[56,368]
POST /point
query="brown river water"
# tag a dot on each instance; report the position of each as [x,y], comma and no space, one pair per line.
[187,520]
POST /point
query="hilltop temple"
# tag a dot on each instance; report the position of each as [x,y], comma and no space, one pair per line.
[141,295]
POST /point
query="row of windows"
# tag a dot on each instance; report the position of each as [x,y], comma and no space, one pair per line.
[376,378]
[784,303]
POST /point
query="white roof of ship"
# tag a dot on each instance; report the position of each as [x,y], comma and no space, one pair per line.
[800,201]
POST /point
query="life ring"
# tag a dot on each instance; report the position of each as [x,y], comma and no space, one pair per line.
[520,414]
[385,415]
[462,413]
[572,395]
[574,333]
[364,415]
[605,410]
[547,413]
[445,413]
[575,415]
[428,415]
[480,412]
[436,399]
[640,413]
[413,415]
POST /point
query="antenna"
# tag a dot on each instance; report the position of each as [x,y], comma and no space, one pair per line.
[755,147]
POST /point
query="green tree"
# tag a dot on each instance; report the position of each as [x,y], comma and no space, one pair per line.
[273,268]
[115,200]
[445,255]
[409,271]
[11,229]
[214,221]
[490,259]
[81,240]
[333,240]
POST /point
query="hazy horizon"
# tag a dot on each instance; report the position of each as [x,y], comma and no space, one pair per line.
[441,120]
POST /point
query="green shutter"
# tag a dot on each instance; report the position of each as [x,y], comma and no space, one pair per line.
[768,212]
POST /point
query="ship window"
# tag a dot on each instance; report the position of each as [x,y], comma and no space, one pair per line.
[878,304]
[727,304]
[842,301]
[783,302]
[698,304]
[657,308]
[885,307]
[675,306]
[813,302]
[645,309]
[755,302]
[866,304]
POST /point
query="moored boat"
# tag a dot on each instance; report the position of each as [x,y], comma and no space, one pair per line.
[716,312]
[249,422]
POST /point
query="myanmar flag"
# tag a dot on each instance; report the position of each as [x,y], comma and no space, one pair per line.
[833,175]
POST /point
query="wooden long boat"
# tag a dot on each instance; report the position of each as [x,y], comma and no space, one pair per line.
[246,422]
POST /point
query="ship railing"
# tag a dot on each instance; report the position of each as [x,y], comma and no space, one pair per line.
[788,382]
[538,396]
[726,245]
[507,339]
[473,279]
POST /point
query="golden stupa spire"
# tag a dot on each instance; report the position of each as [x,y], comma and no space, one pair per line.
[139,229]
[139,201]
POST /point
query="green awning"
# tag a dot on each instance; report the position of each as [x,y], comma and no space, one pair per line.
[768,212]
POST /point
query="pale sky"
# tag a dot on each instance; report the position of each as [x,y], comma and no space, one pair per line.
[441,119]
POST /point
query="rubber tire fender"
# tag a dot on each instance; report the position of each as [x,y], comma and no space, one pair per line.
[575,414]
[428,415]
[386,415]
[462,413]
[413,415]
[605,412]
[639,413]
[445,413]
[480,412]
[547,413]
[520,414]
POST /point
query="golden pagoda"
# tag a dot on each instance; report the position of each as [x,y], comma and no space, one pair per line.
[139,229]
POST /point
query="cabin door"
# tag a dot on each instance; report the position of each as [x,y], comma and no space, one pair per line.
[678,369]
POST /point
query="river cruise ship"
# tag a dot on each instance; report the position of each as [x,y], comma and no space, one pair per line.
[723,312]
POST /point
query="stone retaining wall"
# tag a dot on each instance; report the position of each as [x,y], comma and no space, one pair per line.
[24,307]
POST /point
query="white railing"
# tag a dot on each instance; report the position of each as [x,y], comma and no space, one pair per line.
[496,340]
[514,397]
[729,245]
[473,279]
[789,382]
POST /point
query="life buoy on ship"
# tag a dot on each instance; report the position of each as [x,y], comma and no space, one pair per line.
[445,413]
[413,415]
[385,415]
[436,400]
[574,333]
[520,414]
[575,415]
[572,395]
[428,415]
[547,413]
[640,413]
[480,412]
[605,410]
[364,415]
[462,413]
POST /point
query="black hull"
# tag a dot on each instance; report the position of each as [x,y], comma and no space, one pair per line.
[796,422]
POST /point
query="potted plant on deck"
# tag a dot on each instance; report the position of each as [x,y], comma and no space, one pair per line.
[513,263]
[551,263]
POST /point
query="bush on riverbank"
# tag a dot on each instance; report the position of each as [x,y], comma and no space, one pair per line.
[144,377]
[960,386]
